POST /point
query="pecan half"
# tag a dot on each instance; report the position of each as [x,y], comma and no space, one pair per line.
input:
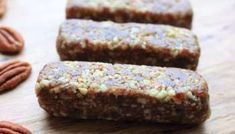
[13,73]
[2,7]
[7,127]
[11,42]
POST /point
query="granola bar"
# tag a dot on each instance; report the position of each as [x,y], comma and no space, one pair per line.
[172,12]
[91,90]
[131,43]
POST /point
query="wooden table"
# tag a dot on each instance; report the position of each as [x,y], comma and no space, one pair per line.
[38,21]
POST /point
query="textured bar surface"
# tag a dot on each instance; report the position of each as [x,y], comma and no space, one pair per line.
[172,12]
[141,44]
[90,90]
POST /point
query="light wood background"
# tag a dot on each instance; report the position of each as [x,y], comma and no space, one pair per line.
[38,21]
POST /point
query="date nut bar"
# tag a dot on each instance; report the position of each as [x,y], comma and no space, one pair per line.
[91,90]
[131,43]
[172,12]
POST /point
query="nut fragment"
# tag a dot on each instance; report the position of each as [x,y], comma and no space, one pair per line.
[11,42]
[12,128]
[2,7]
[13,73]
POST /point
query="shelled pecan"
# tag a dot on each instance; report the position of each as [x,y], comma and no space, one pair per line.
[13,73]
[11,42]
[7,127]
[2,7]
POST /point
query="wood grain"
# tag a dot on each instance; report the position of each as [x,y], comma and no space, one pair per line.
[38,21]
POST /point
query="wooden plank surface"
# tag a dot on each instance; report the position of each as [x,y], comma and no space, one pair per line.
[38,21]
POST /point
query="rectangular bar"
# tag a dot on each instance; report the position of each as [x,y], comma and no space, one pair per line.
[91,90]
[172,12]
[131,43]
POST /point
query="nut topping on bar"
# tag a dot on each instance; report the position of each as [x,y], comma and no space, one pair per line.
[161,83]
[129,43]
[123,92]
[171,12]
